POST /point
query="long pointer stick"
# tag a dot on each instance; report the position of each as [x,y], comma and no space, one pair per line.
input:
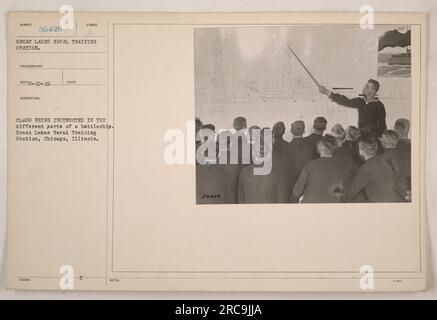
[306,69]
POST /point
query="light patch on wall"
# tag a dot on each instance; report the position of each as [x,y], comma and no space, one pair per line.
[251,41]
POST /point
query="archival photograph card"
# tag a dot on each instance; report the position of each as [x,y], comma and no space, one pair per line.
[216,151]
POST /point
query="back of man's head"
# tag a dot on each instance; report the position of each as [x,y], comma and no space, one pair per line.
[402,128]
[278,129]
[352,133]
[240,123]
[327,145]
[297,128]
[320,123]
[389,139]
[368,148]
[338,132]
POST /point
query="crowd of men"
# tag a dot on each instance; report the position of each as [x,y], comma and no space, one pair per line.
[366,164]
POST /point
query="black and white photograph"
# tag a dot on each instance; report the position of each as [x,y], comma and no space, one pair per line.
[303,114]
[271,152]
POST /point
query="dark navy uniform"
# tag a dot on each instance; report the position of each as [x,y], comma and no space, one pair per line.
[347,155]
[402,158]
[295,156]
[371,115]
[213,185]
[270,188]
[375,179]
[279,144]
[321,181]
[312,140]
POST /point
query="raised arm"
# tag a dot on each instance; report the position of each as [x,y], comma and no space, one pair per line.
[341,99]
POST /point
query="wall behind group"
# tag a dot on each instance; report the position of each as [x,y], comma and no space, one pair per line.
[250,72]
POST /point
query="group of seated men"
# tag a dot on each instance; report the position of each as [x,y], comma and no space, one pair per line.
[323,167]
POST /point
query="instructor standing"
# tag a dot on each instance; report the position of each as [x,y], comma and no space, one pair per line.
[371,111]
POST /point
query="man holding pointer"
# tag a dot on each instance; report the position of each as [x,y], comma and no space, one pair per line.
[371,111]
